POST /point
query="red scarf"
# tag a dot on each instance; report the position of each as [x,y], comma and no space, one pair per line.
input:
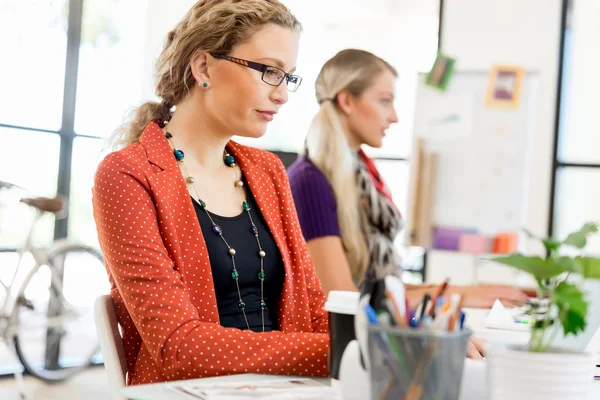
[376,178]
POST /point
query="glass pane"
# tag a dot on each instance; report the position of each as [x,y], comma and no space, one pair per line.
[111,63]
[35,169]
[578,134]
[33,47]
[577,202]
[86,156]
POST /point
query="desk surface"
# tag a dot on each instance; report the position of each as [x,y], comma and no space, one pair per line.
[475,318]
[162,391]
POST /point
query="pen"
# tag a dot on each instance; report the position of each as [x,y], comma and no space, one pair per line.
[371,315]
[440,291]
[425,303]
[457,301]
[400,319]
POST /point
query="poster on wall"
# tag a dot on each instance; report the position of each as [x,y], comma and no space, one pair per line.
[504,86]
[441,72]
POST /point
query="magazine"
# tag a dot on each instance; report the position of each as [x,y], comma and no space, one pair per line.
[268,389]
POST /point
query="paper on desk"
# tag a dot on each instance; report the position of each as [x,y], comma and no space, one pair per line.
[500,318]
[292,389]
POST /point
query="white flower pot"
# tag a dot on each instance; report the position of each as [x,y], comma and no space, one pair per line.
[515,373]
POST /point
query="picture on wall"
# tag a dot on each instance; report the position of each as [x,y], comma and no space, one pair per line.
[504,86]
[441,72]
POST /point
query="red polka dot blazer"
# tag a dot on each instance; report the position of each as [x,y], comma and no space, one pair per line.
[161,278]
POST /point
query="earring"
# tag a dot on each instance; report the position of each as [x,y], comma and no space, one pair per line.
[205,84]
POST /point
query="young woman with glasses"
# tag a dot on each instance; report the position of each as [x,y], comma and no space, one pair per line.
[210,273]
[346,210]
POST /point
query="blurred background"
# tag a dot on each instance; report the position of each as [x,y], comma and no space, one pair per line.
[71,69]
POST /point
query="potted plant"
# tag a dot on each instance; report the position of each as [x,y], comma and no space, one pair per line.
[540,370]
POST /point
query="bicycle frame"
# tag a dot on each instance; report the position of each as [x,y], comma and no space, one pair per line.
[40,257]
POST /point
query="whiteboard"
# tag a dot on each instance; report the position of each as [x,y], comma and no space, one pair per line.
[484,153]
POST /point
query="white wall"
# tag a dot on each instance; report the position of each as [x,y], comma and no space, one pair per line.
[527,33]
[404,32]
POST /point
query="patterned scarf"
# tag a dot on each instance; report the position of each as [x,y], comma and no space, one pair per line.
[383,220]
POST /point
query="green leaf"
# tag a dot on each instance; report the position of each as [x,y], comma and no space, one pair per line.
[569,264]
[536,266]
[551,245]
[579,239]
[590,267]
[572,307]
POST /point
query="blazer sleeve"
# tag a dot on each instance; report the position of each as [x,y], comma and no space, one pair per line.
[319,317]
[181,344]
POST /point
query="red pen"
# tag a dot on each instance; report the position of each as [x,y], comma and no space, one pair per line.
[439,292]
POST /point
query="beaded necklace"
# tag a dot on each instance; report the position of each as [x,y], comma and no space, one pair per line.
[216,229]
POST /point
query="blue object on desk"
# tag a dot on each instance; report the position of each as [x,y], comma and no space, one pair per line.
[371,315]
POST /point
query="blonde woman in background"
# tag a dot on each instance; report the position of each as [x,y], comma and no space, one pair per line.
[210,273]
[347,213]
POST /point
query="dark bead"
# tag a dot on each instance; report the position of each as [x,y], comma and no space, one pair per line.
[217,229]
[178,154]
[241,304]
[254,229]
[263,305]
[229,160]
[169,136]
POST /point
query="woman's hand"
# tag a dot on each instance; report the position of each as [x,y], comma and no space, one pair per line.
[475,348]
[484,296]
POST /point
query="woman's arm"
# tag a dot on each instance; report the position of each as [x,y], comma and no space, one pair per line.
[331,263]
[181,344]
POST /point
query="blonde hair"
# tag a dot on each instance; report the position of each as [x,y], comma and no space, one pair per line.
[214,26]
[327,145]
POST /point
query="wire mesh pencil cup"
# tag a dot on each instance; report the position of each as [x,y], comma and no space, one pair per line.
[412,364]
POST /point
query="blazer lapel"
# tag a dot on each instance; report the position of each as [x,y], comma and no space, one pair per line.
[264,190]
[179,223]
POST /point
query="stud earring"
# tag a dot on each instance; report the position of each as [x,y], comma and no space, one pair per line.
[205,84]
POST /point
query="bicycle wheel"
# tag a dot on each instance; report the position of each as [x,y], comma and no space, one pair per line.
[55,331]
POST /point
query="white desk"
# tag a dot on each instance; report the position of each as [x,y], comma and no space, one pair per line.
[473,378]
[161,391]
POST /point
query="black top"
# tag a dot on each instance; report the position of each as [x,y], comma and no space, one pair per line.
[238,233]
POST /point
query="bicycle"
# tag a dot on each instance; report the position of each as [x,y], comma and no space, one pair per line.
[46,319]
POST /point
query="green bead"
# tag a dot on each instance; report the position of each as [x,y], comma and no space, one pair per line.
[202,204]
[263,305]
[235,275]
[261,275]
[245,206]
[229,160]
[241,305]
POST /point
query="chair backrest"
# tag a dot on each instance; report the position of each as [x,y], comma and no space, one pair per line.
[111,344]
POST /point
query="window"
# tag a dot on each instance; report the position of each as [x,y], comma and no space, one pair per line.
[33,48]
[577,201]
[87,153]
[111,56]
[576,197]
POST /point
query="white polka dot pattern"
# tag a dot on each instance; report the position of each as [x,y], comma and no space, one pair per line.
[161,278]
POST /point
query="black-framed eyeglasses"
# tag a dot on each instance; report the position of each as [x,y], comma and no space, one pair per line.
[270,75]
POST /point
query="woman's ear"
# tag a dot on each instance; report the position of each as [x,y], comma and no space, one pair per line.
[345,102]
[199,66]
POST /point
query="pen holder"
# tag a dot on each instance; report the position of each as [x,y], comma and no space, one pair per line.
[414,364]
